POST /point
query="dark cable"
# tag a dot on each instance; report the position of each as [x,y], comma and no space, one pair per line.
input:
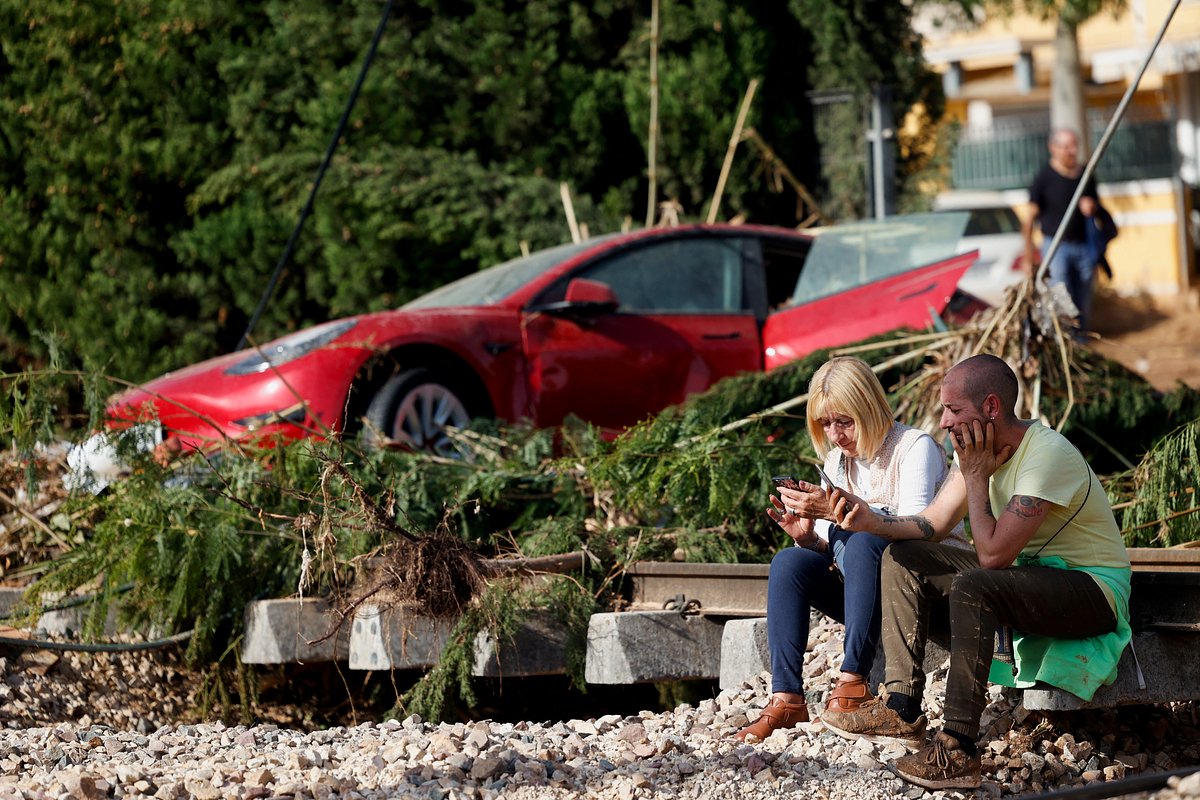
[100,647]
[291,243]
[1102,789]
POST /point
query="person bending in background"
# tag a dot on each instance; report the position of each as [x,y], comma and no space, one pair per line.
[1049,563]
[835,570]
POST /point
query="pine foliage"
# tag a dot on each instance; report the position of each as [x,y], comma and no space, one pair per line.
[1163,509]
[497,614]
[185,547]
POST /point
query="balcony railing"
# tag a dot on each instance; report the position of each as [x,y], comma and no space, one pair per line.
[1009,159]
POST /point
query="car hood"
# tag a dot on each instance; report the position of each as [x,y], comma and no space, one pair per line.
[365,335]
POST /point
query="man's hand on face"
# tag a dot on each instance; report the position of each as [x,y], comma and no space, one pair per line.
[974,443]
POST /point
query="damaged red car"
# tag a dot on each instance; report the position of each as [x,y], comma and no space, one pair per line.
[612,329]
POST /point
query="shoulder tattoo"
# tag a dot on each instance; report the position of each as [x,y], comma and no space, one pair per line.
[1025,506]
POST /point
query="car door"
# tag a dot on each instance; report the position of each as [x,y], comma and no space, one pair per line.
[681,324]
[865,279]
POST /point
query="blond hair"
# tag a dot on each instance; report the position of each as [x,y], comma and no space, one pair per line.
[847,386]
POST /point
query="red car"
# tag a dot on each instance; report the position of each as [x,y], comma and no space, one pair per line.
[612,329]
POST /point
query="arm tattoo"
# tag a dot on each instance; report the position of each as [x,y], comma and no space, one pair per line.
[1025,506]
[926,528]
[924,525]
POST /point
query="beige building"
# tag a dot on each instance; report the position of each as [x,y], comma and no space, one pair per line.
[997,79]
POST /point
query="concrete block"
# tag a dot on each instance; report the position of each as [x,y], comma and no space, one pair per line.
[396,639]
[1169,665]
[645,646]
[537,648]
[10,598]
[399,639]
[280,632]
[67,621]
[744,651]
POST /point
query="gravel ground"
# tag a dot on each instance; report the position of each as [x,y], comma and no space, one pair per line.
[92,726]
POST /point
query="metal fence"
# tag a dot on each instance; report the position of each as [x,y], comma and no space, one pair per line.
[1007,155]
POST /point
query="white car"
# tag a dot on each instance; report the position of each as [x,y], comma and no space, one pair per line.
[994,229]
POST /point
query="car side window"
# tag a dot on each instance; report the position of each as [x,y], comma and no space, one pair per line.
[992,222]
[782,264]
[681,275]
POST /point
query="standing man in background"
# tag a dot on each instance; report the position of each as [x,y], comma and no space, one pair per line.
[1074,263]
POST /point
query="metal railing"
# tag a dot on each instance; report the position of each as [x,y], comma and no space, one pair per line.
[1007,158]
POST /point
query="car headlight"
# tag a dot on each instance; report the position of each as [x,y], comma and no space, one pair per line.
[290,348]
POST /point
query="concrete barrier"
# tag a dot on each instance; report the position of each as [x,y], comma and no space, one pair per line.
[284,632]
[10,598]
[744,652]
[539,647]
[646,646]
[66,622]
[396,639]
[1169,665]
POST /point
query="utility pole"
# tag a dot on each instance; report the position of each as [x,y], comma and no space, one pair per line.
[882,136]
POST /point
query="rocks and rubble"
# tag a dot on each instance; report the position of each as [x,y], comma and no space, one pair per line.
[90,726]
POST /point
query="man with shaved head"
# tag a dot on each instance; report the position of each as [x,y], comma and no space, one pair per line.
[1049,566]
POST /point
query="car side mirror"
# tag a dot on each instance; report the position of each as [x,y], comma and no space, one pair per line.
[582,291]
[583,297]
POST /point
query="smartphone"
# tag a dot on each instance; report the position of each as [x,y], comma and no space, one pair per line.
[785,480]
[824,477]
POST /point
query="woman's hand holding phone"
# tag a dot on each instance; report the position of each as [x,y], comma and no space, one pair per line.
[800,499]
[824,477]
[799,528]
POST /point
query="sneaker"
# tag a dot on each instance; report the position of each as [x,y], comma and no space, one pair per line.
[874,721]
[848,695]
[940,764]
[778,714]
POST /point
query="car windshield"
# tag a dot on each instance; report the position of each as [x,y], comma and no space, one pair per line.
[846,256]
[496,283]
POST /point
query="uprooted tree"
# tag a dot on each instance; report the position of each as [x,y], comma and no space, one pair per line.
[185,546]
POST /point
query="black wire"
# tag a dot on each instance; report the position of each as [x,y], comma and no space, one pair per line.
[99,647]
[1102,789]
[291,243]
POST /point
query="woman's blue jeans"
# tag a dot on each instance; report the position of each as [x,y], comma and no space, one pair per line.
[800,580]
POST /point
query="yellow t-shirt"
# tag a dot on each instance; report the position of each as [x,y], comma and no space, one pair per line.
[1046,465]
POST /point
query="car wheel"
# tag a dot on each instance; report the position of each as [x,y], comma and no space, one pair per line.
[413,410]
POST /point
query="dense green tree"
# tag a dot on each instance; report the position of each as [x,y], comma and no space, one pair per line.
[109,115]
[861,45]
[155,156]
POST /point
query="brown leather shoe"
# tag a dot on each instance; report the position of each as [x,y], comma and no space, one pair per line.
[848,695]
[875,721]
[776,715]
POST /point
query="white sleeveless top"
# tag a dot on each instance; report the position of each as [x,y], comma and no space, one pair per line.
[902,479]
